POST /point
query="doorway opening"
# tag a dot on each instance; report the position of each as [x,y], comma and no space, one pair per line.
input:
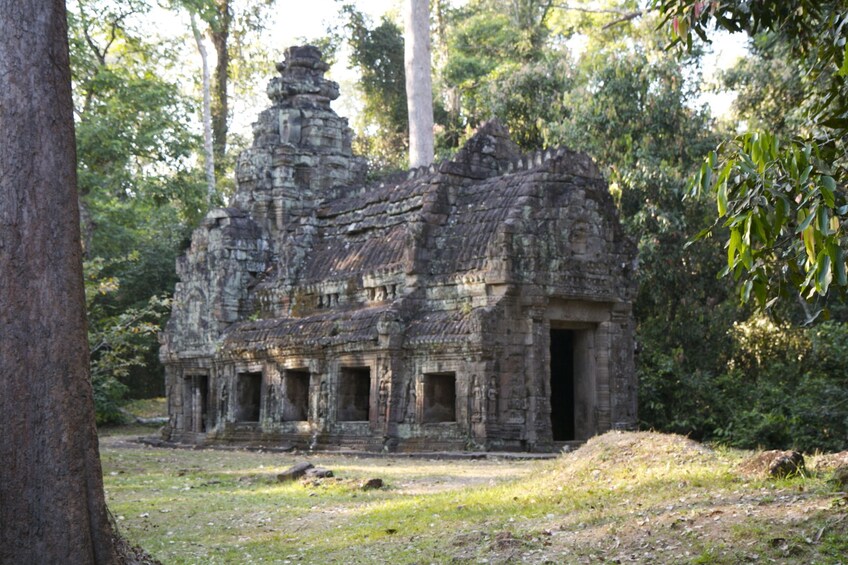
[562,385]
[249,388]
[296,407]
[354,394]
[439,397]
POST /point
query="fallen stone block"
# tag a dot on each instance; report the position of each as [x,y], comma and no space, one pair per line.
[371,484]
[294,472]
[318,473]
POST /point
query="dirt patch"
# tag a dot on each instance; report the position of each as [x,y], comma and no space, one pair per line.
[772,463]
[829,461]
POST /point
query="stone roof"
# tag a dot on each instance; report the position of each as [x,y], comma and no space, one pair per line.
[329,328]
[372,229]
[325,258]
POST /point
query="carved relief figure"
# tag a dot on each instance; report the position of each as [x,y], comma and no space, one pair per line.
[383,394]
[411,401]
[271,406]
[323,400]
[492,399]
[224,402]
[476,400]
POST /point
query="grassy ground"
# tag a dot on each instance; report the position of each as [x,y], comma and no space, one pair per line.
[624,497]
[148,407]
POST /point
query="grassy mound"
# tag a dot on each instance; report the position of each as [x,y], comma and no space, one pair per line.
[630,450]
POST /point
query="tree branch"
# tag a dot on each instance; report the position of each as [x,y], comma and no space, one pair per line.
[623,16]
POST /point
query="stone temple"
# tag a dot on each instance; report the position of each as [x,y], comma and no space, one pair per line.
[481,303]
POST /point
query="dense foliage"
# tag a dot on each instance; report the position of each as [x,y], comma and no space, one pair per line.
[119,342]
[378,54]
[142,189]
[782,198]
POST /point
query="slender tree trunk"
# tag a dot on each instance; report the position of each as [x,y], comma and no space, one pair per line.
[208,152]
[220,34]
[52,507]
[419,85]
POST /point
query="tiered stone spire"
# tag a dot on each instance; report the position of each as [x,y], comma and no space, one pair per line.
[301,148]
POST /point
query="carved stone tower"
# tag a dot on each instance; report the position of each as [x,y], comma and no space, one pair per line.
[301,149]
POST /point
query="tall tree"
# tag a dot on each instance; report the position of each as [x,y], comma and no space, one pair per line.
[228,23]
[219,31]
[419,85]
[140,187]
[206,85]
[52,507]
[485,44]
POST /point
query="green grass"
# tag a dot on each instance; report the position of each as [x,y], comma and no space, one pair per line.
[148,407]
[643,497]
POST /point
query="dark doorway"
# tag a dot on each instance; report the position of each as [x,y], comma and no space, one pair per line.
[249,389]
[562,385]
[354,394]
[296,407]
[439,397]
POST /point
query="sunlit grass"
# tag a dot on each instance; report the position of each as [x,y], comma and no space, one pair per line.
[658,498]
[148,407]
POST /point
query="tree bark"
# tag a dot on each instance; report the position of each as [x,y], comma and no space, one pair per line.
[219,31]
[419,85]
[52,507]
[208,144]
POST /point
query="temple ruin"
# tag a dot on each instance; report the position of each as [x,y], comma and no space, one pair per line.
[480,303]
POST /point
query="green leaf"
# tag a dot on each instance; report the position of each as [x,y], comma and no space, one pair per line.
[706,176]
[805,175]
[810,243]
[838,260]
[746,291]
[733,246]
[760,292]
[828,187]
[824,277]
[747,258]
[759,228]
[780,210]
[843,70]
[806,218]
[828,181]
[721,199]
[823,221]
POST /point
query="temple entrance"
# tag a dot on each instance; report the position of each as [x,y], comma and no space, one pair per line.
[573,382]
[562,385]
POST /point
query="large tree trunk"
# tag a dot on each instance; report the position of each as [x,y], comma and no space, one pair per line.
[220,34]
[208,143]
[419,85]
[52,507]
